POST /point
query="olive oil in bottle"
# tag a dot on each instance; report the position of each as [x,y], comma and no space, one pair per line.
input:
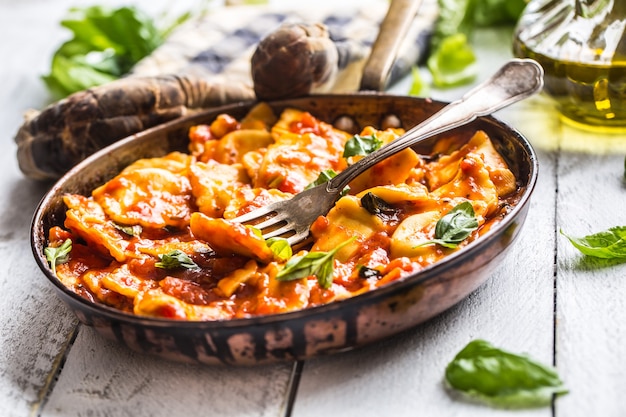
[581,45]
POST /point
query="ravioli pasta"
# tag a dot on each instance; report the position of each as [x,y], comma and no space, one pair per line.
[181,204]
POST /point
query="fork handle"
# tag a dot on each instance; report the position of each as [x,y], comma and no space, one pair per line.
[516,80]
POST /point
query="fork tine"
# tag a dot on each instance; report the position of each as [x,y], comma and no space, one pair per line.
[279,231]
[299,237]
[255,214]
[272,221]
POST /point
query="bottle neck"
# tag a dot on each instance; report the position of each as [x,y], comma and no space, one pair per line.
[600,8]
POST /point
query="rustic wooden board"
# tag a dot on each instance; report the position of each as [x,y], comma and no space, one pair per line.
[591,307]
[516,309]
[34,327]
[101,378]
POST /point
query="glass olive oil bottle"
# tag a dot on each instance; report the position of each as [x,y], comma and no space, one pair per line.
[581,45]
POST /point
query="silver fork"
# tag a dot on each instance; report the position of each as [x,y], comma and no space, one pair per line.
[516,80]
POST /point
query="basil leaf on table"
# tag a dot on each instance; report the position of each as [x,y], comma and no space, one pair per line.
[175,259]
[418,86]
[609,244]
[502,379]
[456,226]
[452,58]
[59,255]
[106,43]
[452,64]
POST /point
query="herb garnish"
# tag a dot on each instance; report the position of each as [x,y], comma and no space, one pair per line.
[609,244]
[59,255]
[175,259]
[367,272]
[129,230]
[324,177]
[455,227]
[502,379]
[361,145]
[378,207]
[319,264]
[280,247]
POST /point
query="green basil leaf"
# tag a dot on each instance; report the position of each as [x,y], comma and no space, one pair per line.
[59,255]
[129,230]
[325,273]
[322,178]
[280,247]
[502,379]
[106,43]
[609,244]
[361,145]
[489,13]
[418,87]
[463,16]
[378,207]
[453,63]
[175,259]
[319,264]
[257,232]
[456,226]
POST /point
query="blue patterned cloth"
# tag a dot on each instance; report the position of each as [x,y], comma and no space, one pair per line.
[220,43]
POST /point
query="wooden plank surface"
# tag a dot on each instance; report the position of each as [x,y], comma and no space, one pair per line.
[581,189]
[34,327]
[591,307]
[101,378]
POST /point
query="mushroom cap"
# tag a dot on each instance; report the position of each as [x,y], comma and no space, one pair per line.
[295,60]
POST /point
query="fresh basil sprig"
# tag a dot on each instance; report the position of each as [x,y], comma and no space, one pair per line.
[609,244]
[280,247]
[59,255]
[319,264]
[502,379]
[175,259]
[106,43]
[361,145]
[452,60]
[455,226]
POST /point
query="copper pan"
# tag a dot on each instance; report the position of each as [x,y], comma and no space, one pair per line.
[323,330]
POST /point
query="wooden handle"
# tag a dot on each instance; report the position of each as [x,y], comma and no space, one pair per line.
[392,32]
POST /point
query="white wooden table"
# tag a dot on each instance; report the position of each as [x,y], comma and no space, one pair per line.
[545,299]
